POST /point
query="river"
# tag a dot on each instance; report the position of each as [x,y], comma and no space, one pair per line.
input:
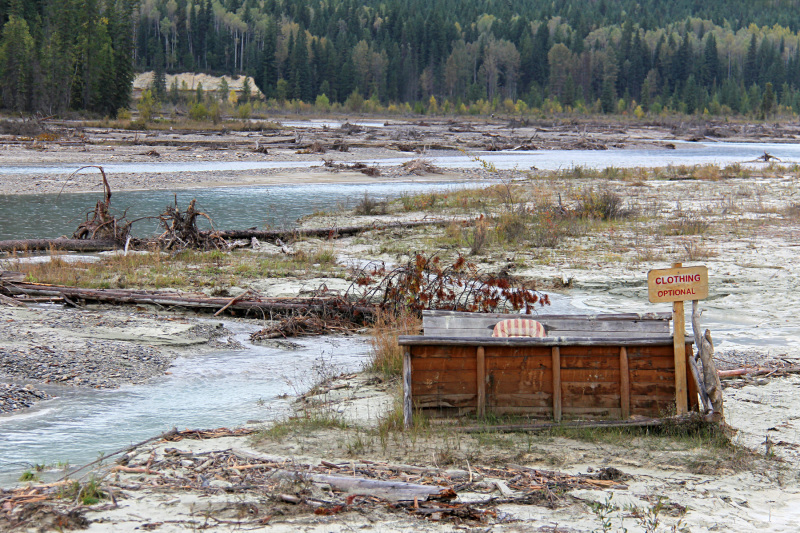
[228,388]
[223,388]
[49,215]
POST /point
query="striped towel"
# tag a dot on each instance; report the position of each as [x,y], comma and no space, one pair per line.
[518,327]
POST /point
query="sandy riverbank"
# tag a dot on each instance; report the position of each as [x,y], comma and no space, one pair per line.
[71,144]
[750,484]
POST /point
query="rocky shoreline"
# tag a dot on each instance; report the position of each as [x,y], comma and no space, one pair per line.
[14,397]
[91,348]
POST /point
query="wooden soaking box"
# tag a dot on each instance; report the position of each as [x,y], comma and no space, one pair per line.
[587,367]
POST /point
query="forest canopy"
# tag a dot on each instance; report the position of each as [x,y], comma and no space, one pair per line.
[722,57]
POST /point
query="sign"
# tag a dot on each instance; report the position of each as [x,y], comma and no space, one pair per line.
[677,284]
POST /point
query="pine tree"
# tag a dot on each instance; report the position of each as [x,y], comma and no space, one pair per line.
[16,54]
[768,101]
[750,74]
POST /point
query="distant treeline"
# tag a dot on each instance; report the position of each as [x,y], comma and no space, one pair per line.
[57,55]
[720,56]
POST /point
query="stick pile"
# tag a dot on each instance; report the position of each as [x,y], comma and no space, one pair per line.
[283,486]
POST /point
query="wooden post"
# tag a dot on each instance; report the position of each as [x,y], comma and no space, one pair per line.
[556,384]
[679,347]
[408,408]
[691,379]
[481,362]
[624,384]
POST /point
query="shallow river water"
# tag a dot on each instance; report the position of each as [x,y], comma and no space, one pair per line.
[50,215]
[224,388]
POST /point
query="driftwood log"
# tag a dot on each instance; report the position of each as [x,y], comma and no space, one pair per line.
[389,490]
[77,245]
[259,306]
[96,245]
[333,232]
[705,354]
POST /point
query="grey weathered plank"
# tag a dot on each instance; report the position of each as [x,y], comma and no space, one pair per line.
[487,333]
[601,316]
[420,340]
[554,325]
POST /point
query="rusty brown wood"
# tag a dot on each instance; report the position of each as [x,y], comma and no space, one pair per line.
[481,380]
[408,407]
[624,383]
[556,384]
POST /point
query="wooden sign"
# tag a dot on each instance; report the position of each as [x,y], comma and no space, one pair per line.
[677,284]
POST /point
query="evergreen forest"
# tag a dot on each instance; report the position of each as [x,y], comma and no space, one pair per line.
[732,57]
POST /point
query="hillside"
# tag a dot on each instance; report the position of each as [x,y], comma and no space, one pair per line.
[600,56]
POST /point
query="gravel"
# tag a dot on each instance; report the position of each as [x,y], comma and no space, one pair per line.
[98,349]
[14,397]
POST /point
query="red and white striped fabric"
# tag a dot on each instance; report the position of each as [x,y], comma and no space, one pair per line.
[518,327]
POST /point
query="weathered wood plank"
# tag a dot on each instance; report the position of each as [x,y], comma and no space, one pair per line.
[502,316]
[606,401]
[660,375]
[422,401]
[518,363]
[653,389]
[487,333]
[624,383]
[556,384]
[534,399]
[566,412]
[520,384]
[693,383]
[582,362]
[589,375]
[444,351]
[408,407]
[444,363]
[526,352]
[589,389]
[652,407]
[443,389]
[554,325]
[443,377]
[481,380]
[419,340]
[651,363]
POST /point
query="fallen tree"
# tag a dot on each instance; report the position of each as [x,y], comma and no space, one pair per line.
[62,244]
[261,307]
[97,245]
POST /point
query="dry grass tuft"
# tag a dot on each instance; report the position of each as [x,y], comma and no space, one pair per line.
[386,356]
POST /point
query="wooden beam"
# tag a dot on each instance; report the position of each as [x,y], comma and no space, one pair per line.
[692,381]
[421,340]
[679,347]
[481,373]
[624,384]
[556,384]
[408,407]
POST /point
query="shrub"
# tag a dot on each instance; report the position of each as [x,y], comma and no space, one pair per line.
[477,239]
[686,226]
[512,226]
[198,112]
[602,205]
[369,206]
